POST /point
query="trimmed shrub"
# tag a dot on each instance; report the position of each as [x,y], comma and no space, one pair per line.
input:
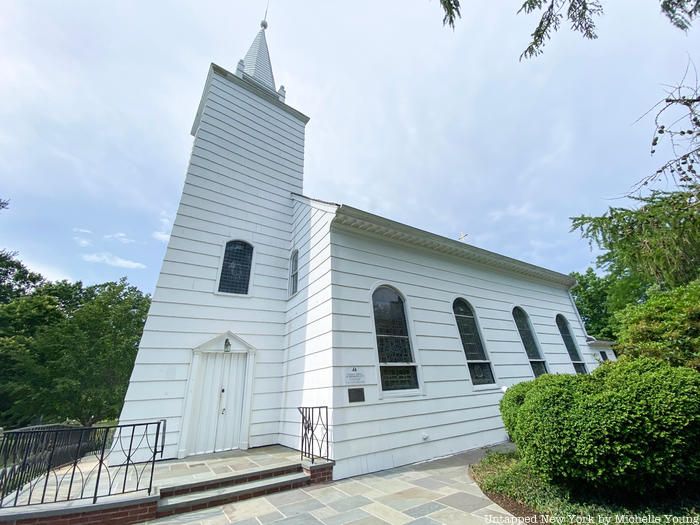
[631,426]
[511,402]
[514,397]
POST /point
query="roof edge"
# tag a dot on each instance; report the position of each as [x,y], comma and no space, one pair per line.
[369,222]
[248,84]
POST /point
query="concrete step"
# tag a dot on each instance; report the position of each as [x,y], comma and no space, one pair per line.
[229,479]
[227,494]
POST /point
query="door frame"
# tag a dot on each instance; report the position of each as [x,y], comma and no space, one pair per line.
[216,345]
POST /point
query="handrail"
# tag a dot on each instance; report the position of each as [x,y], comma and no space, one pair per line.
[314,433]
[43,465]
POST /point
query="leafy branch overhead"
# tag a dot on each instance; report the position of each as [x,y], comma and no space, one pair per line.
[580,14]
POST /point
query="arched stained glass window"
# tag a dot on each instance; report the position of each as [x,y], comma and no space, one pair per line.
[570,344]
[477,360]
[235,270]
[527,336]
[396,365]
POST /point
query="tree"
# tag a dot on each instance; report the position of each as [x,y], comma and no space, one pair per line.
[591,297]
[15,278]
[658,242]
[580,14]
[666,326]
[678,128]
[599,297]
[68,351]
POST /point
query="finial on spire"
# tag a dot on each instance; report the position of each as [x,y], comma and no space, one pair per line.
[263,24]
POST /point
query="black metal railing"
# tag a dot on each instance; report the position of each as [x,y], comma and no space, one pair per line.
[314,433]
[62,463]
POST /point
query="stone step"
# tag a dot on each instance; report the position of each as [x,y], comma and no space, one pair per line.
[229,494]
[230,479]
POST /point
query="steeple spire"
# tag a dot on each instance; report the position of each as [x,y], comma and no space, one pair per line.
[256,63]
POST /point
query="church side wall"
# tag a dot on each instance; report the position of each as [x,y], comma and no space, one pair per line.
[246,160]
[308,363]
[450,414]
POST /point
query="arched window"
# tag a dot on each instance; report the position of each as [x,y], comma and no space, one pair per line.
[396,365]
[294,273]
[570,344]
[235,270]
[527,336]
[478,362]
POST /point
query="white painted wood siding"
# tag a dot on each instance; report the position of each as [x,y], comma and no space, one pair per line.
[450,414]
[308,367]
[246,161]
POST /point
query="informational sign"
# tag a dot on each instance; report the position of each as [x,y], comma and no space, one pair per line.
[353,376]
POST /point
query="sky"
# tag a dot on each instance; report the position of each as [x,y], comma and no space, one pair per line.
[442,129]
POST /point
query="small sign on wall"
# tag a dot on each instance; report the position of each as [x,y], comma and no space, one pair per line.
[353,376]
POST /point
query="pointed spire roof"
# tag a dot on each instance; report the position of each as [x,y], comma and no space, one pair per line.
[256,63]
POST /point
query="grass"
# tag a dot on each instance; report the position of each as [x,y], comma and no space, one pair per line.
[513,484]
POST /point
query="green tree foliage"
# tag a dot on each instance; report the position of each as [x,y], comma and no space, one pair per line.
[591,297]
[68,351]
[630,427]
[15,278]
[658,242]
[579,14]
[599,297]
[666,326]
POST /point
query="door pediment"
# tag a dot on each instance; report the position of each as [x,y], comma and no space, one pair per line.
[219,344]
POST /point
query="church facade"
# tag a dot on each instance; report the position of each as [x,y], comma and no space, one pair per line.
[269,300]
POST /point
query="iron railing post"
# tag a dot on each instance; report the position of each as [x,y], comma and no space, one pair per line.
[153,460]
[48,468]
[99,467]
[75,464]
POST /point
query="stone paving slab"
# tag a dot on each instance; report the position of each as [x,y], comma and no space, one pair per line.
[436,492]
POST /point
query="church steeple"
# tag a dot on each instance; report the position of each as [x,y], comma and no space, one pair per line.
[256,64]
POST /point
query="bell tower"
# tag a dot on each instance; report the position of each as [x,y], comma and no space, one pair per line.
[234,222]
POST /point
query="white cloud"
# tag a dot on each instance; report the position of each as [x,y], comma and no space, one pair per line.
[163,235]
[112,260]
[82,241]
[52,273]
[82,230]
[119,236]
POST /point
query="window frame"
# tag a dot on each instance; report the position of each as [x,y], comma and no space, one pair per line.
[415,354]
[221,265]
[293,275]
[538,346]
[480,333]
[573,340]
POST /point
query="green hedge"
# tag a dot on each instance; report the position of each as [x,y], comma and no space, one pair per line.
[631,426]
[665,326]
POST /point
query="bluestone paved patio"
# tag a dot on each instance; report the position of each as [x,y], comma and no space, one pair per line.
[439,491]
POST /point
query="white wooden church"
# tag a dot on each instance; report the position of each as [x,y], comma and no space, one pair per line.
[269,300]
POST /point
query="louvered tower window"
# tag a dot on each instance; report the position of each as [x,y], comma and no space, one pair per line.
[477,360]
[570,344]
[396,365]
[235,271]
[527,336]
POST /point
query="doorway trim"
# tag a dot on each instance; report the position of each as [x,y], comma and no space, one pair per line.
[216,345]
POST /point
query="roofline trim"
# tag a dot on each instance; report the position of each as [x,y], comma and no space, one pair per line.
[246,83]
[370,223]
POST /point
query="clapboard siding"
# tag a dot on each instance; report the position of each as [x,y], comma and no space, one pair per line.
[448,413]
[247,160]
[308,370]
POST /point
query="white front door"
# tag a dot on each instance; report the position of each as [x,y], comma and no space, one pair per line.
[218,410]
